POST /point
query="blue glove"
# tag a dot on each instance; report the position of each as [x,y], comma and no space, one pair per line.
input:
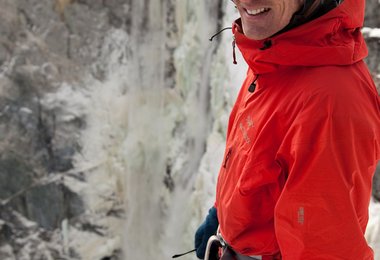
[205,231]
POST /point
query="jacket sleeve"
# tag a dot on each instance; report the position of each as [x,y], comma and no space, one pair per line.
[329,156]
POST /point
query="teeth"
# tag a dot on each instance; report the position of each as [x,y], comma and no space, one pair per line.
[257,11]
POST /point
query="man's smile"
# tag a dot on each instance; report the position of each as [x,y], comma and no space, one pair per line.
[257,11]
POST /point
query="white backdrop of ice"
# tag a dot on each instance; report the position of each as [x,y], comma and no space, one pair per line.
[371,32]
[373,228]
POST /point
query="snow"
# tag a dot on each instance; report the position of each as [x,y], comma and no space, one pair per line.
[71,99]
[98,175]
[92,247]
[373,228]
[7,252]
[371,32]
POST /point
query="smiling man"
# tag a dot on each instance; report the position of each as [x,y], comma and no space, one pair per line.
[303,136]
[261,19]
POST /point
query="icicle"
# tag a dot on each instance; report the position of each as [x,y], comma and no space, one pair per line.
[65,235]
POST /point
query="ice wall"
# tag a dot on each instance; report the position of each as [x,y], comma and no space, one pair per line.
[160,112]
[175,98]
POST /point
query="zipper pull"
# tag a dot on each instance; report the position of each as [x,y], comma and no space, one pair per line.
[252,87]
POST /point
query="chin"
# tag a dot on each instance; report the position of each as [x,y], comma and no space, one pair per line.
[255,36]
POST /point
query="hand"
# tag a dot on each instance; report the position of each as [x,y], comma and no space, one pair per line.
[205,231]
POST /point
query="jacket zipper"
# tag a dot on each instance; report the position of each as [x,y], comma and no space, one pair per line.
[228,155]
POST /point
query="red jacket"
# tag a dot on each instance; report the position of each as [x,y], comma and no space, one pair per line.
[302,148]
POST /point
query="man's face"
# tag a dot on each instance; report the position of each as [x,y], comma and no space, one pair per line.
[263,18]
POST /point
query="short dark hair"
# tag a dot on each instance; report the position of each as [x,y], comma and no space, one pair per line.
[311,10]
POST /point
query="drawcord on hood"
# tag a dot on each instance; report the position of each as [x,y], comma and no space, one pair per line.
[233,43]
[234,52]
[267,44]
[219,32]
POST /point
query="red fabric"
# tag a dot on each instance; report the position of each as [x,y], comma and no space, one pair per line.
[272,257]
[302,149]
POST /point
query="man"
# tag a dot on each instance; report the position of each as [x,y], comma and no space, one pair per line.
[303,136]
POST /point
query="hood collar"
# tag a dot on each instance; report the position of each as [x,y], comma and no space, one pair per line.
[331,39]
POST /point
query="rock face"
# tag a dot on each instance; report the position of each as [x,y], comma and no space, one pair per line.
[50,51]
[112,122]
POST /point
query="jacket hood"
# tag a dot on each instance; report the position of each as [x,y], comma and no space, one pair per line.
[332,39]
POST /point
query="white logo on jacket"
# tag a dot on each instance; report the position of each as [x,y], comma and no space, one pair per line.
[244,129]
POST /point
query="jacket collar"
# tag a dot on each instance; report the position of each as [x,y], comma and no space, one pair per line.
[332,39]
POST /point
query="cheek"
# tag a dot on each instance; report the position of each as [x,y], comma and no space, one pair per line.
[289,13]
[241,12]
[293,8]
[286,13]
